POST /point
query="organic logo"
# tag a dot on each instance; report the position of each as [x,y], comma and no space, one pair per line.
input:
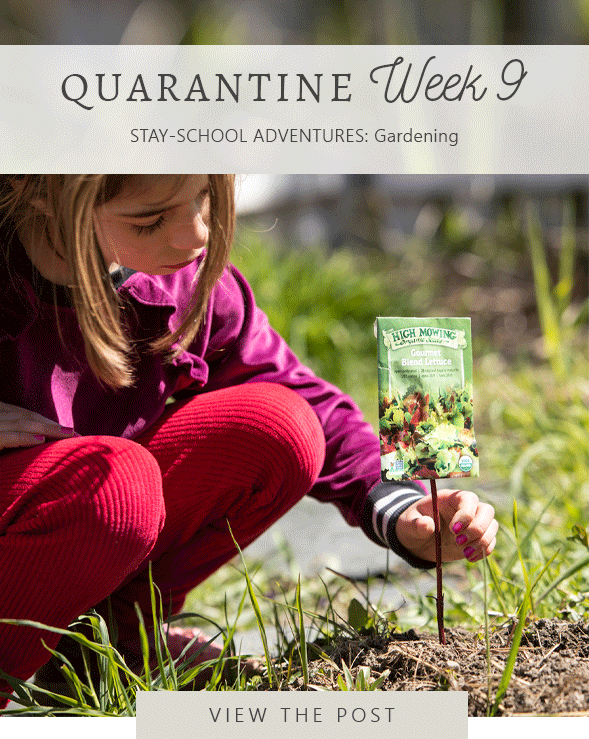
[398,466]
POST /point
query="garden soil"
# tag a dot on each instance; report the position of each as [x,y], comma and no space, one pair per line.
[551,674]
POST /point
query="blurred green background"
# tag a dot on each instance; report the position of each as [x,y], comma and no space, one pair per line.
[300,22]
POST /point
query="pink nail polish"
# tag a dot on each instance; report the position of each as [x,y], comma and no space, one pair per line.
[468,552]
[66,430]
[456,528]
[38,437]
[462,539]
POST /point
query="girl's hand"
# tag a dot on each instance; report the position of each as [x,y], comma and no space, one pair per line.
[468,527]
[20,427]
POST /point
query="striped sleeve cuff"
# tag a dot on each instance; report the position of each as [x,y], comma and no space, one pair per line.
[383,506]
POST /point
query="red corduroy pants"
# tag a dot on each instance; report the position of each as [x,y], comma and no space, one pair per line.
[81,518]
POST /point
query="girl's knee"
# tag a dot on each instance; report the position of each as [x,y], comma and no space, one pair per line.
[109,489]
[297,424]
[131,479]
[292,434]
[250,425]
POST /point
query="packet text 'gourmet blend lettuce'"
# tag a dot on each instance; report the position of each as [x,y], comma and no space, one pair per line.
[425,398]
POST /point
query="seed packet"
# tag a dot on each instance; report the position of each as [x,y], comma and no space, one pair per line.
[425,398]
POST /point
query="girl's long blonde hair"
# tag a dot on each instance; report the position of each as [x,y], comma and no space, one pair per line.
[71,201]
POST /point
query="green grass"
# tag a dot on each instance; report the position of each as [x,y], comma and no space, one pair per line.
[532,427]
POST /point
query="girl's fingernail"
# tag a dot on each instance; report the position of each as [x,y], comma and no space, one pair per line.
[38,437]
[468,552]
[66,430]
[462,539]
[456,528]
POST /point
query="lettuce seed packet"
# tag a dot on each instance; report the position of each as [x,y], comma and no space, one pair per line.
[425,398]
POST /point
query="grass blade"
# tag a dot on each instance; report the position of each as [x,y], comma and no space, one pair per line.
[512,656]
[156,631]
[495,573]
[144,642]
[573,569]
[379,680]
[566,265]
[348,676]
[302,636]
[528,535]
[257,612]
[519,551]
[547,308]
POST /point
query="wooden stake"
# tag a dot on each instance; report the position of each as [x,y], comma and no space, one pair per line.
[438,542]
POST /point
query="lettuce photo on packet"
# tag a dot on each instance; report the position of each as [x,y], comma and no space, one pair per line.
[425,398]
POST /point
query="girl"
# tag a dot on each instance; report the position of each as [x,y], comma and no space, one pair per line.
[117,298]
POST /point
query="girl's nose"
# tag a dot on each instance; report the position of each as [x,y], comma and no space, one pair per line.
[192,235]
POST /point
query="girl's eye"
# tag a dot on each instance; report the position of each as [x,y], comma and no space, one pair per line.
[149,229]
[145,230]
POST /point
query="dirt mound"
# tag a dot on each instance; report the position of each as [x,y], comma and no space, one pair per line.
[551,674]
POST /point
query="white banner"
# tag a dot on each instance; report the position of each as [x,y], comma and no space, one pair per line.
[295,109]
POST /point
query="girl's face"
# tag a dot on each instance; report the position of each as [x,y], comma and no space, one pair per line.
[153,229]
